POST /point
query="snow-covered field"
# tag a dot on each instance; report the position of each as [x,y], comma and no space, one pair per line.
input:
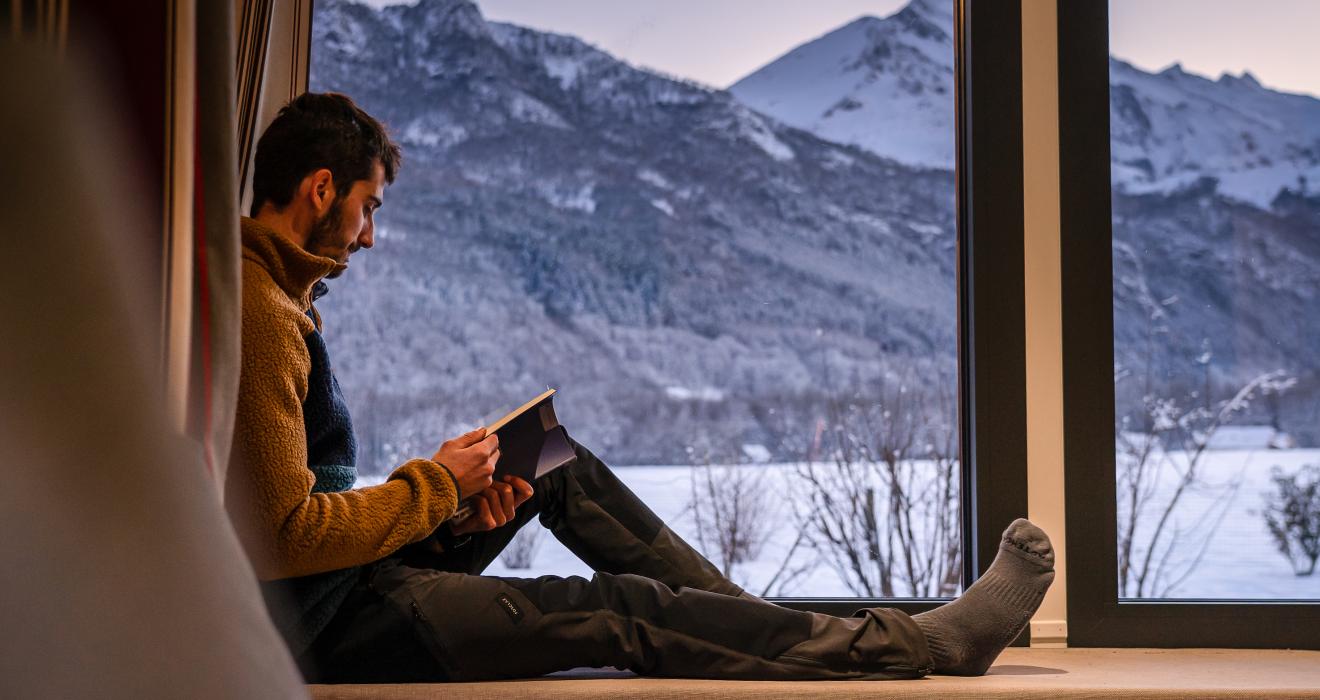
[1240,558]
[1239,561]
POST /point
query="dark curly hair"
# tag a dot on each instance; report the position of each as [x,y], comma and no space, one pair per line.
[314,131]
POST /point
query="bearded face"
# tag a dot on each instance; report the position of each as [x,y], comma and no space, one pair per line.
[329,239]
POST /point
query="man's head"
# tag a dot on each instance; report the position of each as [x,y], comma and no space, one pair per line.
[322,167]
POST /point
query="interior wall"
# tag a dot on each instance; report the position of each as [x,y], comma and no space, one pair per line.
[1044,329]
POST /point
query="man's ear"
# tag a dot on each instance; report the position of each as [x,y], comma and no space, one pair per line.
[320,189]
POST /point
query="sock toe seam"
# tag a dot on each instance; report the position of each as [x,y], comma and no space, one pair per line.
[1021,550]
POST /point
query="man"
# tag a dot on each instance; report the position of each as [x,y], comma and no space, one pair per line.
[372,584]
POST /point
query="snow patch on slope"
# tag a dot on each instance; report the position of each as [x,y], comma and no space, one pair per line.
[526,108]
[431,131]
[681,393]
[563,69]
[571,199]
[754,129]
[651,177]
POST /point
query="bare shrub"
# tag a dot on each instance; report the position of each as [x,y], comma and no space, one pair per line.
[1292,514]
[1161,541]
[733,509]
[520,553]
[791,569]
[880,492]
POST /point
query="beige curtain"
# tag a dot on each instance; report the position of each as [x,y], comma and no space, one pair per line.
[121,576]
[42,20]
[253,41]
[215,84]
[217,293]
[202,297]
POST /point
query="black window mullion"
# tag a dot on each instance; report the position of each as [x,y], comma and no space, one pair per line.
[993,323]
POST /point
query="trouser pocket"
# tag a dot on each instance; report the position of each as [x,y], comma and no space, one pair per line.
[464,621]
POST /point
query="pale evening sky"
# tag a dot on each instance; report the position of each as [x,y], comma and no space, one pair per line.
[717,42]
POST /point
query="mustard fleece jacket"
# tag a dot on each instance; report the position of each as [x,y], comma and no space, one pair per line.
[287,529]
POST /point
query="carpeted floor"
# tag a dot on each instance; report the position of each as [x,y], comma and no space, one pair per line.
[1051,674]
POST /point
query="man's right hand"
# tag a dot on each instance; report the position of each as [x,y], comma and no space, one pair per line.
[471,457]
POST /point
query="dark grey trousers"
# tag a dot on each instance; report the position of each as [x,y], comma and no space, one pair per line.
[656,607]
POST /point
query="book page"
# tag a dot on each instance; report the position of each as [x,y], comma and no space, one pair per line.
[517,411]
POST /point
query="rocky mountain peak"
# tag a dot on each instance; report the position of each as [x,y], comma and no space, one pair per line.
[1174,70]
[1247,79]
[927,19]
[937,11]
[450,16]
[883,84]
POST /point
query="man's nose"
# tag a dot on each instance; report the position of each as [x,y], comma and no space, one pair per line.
[368,237]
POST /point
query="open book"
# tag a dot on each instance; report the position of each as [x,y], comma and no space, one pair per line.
[532,444]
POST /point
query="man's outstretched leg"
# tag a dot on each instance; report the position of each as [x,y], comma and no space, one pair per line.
[461,627]
[482,627]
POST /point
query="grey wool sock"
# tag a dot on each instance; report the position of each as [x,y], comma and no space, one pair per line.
[966,636]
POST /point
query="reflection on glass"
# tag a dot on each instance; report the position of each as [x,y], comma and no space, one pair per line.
[1216,224]
[744,291]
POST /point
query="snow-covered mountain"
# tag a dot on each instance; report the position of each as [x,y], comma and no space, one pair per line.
[672,255]
[1173,128]
[690,273]
[885,85]
[1216,208]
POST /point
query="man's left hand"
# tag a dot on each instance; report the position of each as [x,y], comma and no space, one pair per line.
[495,505]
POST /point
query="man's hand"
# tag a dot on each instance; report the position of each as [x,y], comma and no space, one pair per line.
[471,457]
[495,505]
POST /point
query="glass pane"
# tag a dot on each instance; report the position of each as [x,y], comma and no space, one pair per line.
[724,231]
[1216,212]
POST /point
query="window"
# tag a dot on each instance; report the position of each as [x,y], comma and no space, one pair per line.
[741,270]
[1192,342]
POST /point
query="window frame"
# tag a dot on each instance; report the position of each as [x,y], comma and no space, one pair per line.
[991,305]
[1096,616]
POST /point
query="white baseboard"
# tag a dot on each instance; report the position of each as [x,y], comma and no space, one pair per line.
[1049,634]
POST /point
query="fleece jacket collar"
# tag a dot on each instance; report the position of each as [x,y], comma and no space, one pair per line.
[293,269]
